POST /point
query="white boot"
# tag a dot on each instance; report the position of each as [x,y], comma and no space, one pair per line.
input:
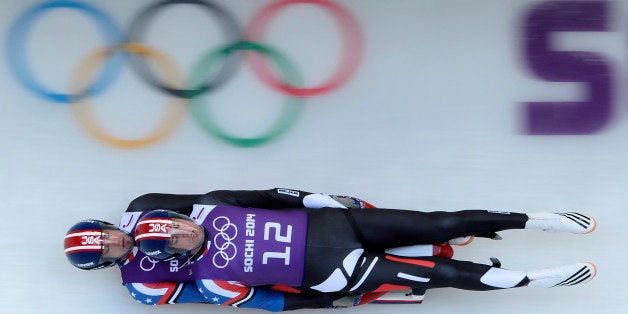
[569,222]
[568,275]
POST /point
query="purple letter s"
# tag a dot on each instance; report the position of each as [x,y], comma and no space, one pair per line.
[583,117]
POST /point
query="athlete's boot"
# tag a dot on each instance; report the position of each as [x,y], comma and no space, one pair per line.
[568,275]
[569,222]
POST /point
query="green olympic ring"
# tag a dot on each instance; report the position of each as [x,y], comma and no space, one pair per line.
[291,106]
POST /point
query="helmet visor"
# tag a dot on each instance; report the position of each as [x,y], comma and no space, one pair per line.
[116,244]
[184,236]
[168,235]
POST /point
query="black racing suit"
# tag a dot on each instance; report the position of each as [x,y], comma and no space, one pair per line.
[334,234]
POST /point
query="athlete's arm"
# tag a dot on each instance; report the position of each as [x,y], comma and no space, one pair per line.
[165,293]
[229,293]
[269,199]
[276,198]
[182,203]
[281,198]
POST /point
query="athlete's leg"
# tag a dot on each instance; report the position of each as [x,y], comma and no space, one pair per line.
[386,228]
[381,228]
[382,272]
[385,271]
[332,251]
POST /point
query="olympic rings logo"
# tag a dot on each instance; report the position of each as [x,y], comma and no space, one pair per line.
[121,48]
[227,251]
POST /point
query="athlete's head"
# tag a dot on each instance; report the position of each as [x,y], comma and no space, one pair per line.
[95,244]
[165,235]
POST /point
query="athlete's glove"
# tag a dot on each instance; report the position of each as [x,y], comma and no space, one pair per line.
[351,202]
[335,201]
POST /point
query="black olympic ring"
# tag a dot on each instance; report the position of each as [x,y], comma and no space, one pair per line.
[232,33]
[352,52]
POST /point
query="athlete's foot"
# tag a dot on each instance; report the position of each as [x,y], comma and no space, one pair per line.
[568,275]
[569,222]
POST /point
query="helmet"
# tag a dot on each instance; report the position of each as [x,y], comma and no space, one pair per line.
[83,244]
[152,234]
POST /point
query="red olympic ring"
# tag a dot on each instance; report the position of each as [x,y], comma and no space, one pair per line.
[353,45]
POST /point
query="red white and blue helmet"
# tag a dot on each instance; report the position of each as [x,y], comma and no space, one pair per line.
[83,244]
[152,234]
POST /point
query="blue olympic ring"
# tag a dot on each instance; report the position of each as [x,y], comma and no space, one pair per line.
[16,46]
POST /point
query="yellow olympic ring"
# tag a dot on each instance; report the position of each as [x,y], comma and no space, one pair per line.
[83,75]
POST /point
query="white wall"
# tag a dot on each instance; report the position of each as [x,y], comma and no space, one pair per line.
[431,120]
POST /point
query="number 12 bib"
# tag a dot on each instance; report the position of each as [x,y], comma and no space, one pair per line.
[251,245]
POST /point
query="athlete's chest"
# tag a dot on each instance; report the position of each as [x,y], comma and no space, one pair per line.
[251,245]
